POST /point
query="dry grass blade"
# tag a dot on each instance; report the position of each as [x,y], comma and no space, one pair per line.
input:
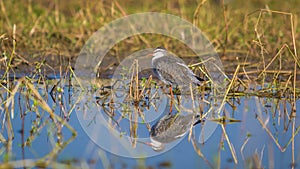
[194,112]
[293,144]
[196,13]
[269,132]
[131,91]
[77,80]
[198,151]
[2,138]
[135,127]
[3,9]
[74,105]
[243,146]
[8,102]
[228,89]
[136,93]
[41,102]
[295,132]
[232,150]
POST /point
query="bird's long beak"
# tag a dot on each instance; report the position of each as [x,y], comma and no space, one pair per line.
[146,143]
[150,54]
[153,146]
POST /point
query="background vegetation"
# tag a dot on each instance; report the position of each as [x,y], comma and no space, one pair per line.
[47,29]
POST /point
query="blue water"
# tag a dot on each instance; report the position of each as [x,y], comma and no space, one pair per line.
[83,151]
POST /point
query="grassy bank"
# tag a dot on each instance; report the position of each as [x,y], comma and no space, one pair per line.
[66,26]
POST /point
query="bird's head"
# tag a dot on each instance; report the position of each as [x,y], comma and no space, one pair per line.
[158,52]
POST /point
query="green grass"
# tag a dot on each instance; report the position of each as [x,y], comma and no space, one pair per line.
[66,26]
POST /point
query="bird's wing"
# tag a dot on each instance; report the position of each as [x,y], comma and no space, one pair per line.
[173,70]
[186,69]
[189,73]
[164,68]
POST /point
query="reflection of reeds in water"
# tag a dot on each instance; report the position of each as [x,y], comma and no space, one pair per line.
[137,97]
[282,122]
[136,94]
[26,92]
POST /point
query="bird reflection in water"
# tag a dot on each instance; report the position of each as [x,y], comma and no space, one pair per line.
[170,128]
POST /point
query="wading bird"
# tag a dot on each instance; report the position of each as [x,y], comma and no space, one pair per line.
[173,71]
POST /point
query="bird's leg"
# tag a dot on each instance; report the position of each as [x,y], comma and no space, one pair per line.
[172,97]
